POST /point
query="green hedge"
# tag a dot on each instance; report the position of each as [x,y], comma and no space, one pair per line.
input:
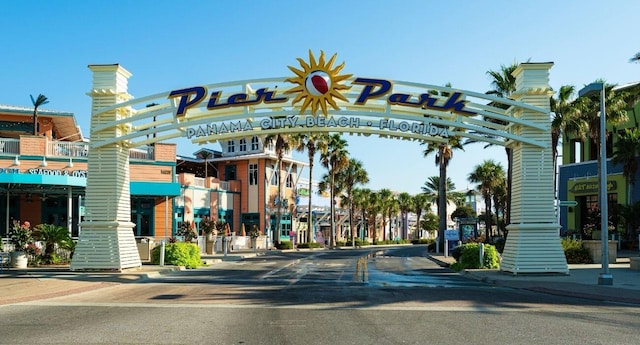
[575,252]
[470,257]
[310,245]
[178,254]
[284,245]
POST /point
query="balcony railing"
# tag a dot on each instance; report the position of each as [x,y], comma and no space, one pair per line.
[68,149]
[145,153]
[10,146]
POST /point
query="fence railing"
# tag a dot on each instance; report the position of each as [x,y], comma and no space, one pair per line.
[9,146]
[141,153]
[68,149]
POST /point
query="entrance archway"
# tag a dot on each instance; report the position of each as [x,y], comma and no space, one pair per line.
[317,98]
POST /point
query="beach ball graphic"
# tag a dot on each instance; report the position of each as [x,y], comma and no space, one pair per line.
[317,83]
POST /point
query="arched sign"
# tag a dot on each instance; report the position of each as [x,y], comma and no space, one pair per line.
[316,97]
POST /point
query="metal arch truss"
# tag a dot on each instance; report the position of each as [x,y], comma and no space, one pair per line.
[485,118]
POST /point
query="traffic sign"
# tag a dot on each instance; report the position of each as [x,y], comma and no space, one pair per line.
[569,203]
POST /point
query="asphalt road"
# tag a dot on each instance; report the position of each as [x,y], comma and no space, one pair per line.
[331,297]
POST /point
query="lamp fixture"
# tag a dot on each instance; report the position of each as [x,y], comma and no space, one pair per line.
[44,162]
[70,165]
[16,161]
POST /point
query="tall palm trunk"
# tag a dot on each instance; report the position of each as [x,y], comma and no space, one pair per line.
[442,198]
[279,212]
[332,209]
[309,212]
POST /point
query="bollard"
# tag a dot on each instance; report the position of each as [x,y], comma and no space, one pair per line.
[481,255]
[446,248]
[162,253]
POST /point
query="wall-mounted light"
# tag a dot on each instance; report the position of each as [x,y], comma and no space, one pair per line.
[70,165]
[44,162]
[16,161]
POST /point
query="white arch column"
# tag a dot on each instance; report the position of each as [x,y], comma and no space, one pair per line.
[533,244]
[107,241]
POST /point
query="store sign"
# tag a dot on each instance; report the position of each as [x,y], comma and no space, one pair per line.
[317,85]
[49,172]
[591,187]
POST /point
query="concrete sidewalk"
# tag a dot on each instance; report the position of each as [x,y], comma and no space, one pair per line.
[581,282]
[35,283]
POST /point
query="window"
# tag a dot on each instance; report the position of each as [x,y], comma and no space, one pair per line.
[231,146]
[243,145]
[274,175]
[253,174]
[254,143]
[576,151]
[289,181]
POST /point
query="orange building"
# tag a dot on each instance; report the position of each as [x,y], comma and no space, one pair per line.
[43,176]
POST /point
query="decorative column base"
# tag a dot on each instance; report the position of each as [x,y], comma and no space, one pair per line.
[106,246]
[533,248]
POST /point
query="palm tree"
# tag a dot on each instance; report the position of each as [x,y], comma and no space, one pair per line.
[373,209]
[635,58]
[52,236]
[352,175]
[486,175]
[564,120]
[386,199]
[312,142]
[334,159]
[431,189]
[420,202]
[504,84]
[405,203]
[443,154]
[282,144]
[40,100]
[362,201]
[587,110]
[500,202]
[627,150]
[205,155]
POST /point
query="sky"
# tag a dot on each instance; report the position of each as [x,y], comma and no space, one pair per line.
[46,46]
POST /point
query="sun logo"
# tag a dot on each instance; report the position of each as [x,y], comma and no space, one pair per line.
[318,84]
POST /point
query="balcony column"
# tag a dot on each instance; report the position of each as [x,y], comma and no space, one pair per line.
[107,241]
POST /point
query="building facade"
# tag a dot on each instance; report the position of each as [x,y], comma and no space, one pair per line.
[578,180]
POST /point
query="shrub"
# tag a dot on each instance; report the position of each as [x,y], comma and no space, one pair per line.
[575,252]
[284,245]
[52,236]
[456,252]
[423,240]
[310,245]
[341,243]
[178,254]
[359,243]
[470,257]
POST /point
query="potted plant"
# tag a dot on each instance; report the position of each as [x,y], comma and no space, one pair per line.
[53,236]
[254,234]
[208,227]
[19,237]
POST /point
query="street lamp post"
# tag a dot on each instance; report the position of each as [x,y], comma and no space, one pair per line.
[605,277]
